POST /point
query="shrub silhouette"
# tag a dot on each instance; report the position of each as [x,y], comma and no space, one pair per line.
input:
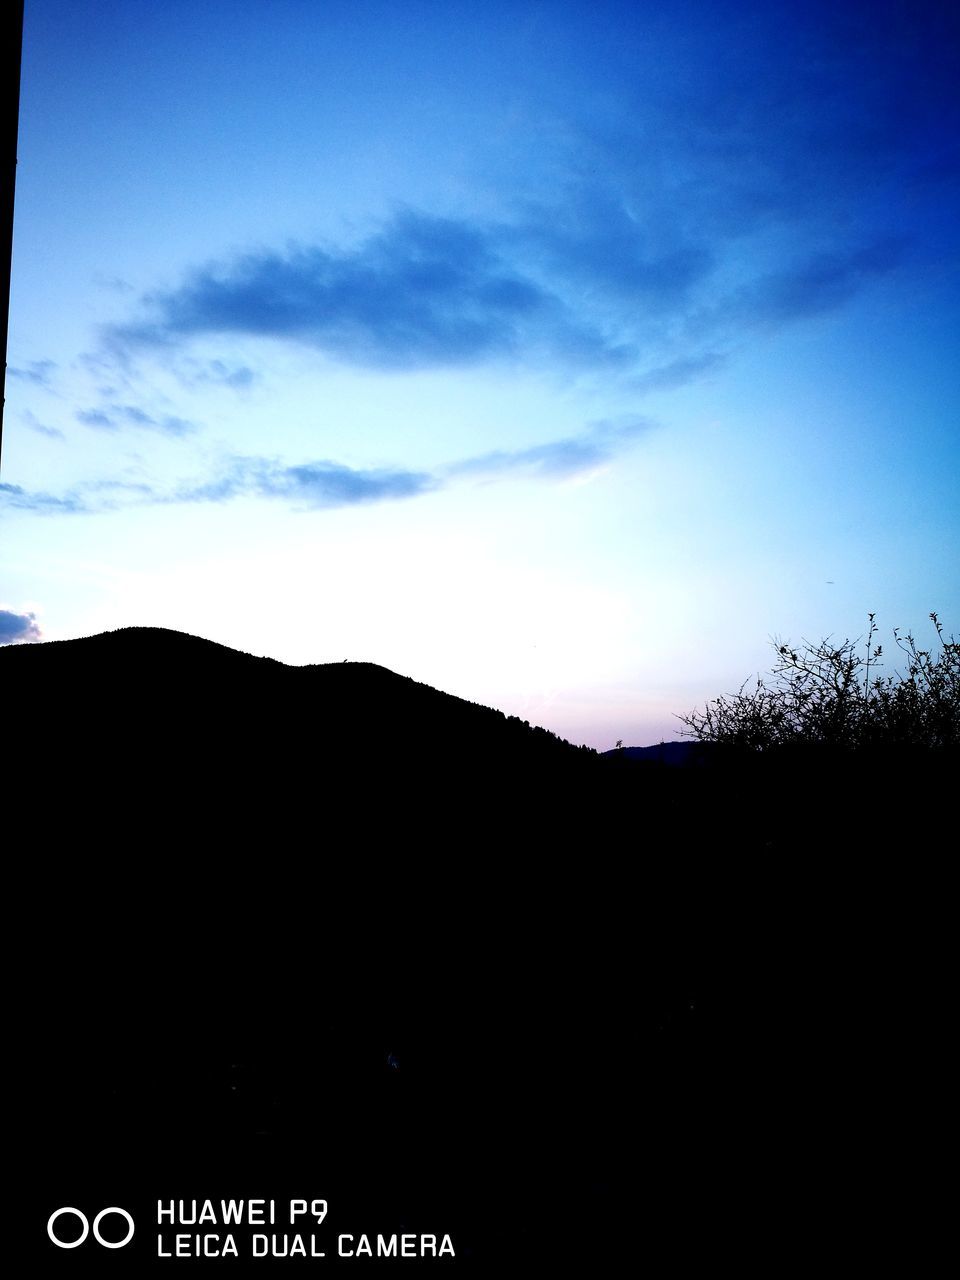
[834,695]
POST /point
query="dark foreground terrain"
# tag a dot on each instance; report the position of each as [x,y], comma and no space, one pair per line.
[324,932]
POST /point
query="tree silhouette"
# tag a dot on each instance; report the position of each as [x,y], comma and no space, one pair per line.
[830,694]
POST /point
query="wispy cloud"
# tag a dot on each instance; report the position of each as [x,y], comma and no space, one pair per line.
[195,373]
[322,484]
[558,459]
[679,372]
[308,485]
[95,418]
[38,372]
[596,238]
[18,628]
[90,497]
[116,416]
[15,498]
[41,428]
[115,284]
[820,283]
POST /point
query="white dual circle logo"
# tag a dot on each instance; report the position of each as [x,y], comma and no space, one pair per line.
[107,1244]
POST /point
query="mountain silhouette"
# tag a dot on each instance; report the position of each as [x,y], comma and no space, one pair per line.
[325,930]
[146,732]
[337,920]
[155,709]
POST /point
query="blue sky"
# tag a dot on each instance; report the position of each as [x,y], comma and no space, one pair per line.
[556,354]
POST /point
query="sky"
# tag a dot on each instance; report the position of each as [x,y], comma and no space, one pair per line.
[558,355]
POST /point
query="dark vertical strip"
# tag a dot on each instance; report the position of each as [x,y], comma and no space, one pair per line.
[12,45]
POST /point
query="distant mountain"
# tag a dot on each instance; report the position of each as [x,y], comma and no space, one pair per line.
[668,753]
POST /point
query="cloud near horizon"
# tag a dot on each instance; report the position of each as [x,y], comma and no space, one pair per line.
[19,628]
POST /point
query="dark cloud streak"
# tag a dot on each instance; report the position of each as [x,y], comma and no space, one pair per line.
[595,291]
[308,485]
[424,292]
